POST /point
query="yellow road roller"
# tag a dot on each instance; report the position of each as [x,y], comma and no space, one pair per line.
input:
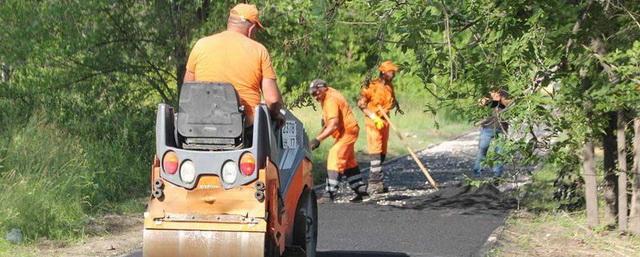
[221,187]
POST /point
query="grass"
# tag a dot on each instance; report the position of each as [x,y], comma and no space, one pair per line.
[541,194]
[44,178]
[7,249]
[418,127]
[53,181]
[545,226]
[561,234]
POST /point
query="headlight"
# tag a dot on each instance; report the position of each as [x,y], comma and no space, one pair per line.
[229,172]
[187,172]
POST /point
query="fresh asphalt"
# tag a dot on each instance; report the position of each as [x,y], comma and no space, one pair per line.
[384,231]
[411,220]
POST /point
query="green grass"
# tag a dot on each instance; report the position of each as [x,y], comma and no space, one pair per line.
[561,234]
[52,181]
[556,226]
[44,178]
[419,128]
[10,250]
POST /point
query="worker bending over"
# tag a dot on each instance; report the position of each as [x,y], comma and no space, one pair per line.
[232,56]
[338,122]
[376,98]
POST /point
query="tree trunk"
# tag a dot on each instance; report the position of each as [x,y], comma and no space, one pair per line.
[6,72]
[590,185]
[634,218]
[622,176]
[181,32]
[610,183]
[180,54]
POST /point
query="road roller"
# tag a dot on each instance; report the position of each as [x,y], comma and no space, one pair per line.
[223,186]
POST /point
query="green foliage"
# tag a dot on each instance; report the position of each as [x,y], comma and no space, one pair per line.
[87,75]
[44,175]
[565,63]
[550,192]
[52,180]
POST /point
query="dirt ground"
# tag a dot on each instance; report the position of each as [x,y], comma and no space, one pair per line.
[560,234]
[120,234]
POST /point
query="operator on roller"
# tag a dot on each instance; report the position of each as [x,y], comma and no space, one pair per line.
[232,56]
[375,98]
[340,123]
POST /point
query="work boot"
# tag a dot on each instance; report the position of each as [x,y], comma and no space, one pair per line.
[358,198]
[376,188]
[327,197]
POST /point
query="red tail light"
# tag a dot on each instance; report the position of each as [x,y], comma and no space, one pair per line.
[170,162]
[247,164]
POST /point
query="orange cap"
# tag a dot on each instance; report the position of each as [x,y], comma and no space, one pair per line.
[388,66]
[247,12]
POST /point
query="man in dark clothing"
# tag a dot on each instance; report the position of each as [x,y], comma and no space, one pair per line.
[492,127]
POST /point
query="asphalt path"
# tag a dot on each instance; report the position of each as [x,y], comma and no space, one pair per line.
[412,219]
[381,231]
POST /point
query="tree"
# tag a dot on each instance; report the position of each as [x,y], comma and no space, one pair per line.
[464,48]
[622,168]
[590,186]
[634,218]
[610,182]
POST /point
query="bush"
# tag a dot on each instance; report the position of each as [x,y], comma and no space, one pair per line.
[44,174]
[550,191]
[53,179]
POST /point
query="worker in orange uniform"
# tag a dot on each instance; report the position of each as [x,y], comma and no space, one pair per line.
[375,98]
[232,56]
[339,123]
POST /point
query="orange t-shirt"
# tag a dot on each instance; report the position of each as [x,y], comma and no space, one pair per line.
[379,94]
[233,58]
[335,105]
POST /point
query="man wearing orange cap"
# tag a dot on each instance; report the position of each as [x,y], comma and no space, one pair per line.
[376,98]
[232,56]
[340,124]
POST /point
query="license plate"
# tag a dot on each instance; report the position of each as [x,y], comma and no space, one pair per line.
[290,135]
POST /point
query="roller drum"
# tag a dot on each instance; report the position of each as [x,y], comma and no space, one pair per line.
[185,243]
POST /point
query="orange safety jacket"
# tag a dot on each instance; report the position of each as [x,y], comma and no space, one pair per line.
[342,154]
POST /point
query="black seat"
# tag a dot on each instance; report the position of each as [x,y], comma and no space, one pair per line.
[210,117]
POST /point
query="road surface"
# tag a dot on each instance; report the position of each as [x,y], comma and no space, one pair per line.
[412,219]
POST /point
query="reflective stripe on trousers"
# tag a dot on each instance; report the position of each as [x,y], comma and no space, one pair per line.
[352,176]
[376,174]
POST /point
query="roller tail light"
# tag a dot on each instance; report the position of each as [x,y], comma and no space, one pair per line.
[247,164]
[170,162]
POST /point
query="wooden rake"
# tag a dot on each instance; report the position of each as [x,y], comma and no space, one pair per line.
[413,154]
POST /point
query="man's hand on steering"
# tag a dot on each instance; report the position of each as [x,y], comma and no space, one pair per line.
[315,143]
[279,119]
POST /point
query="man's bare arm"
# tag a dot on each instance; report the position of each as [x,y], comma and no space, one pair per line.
[189,76]
[273,99]
[272,96]
[330,127]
